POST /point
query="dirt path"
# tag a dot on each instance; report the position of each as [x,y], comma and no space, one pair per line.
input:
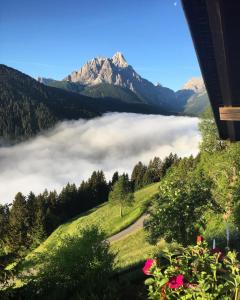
[137,225]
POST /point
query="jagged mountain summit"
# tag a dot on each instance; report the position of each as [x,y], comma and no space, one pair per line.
[195,84]
[119,60]
[104,70]
[114,77]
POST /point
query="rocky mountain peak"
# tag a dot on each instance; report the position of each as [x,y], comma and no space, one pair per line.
[102,70]
[195,84]
[119,60]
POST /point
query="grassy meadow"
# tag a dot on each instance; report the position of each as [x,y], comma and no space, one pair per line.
[134,248]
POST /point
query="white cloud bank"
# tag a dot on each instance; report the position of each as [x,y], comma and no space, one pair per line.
[72,150]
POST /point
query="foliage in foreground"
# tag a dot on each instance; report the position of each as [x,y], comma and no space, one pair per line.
[194,272]
[183,200]
[78,269]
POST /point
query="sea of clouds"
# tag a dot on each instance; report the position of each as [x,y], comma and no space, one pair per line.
[72,150]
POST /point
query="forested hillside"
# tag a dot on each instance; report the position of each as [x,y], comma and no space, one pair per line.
[26,106]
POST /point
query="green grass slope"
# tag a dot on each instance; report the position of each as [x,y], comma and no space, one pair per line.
[134,248]
[105,216]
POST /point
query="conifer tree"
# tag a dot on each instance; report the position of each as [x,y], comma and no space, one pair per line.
[137,175]
[39,227]
[4,219]
[115,178]
[121,193]
[19,223]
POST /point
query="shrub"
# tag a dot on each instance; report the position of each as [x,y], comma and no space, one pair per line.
[79,269]
[183,200]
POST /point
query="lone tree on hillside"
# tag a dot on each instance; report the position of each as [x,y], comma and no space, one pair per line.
[122,193]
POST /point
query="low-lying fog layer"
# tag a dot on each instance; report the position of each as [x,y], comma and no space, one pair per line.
[73,150]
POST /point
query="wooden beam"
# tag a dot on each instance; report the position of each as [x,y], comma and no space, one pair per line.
[229,113]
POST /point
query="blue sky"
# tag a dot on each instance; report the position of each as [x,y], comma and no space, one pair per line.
[51,38]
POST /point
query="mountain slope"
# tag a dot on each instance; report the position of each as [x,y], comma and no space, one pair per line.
[101,90]
[27,106]
[65,85]
[193,97]
[104,90]
[196,104]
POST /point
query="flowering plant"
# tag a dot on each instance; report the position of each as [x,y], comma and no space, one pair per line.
[148,265]
[194,272]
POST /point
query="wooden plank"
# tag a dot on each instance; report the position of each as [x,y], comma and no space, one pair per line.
[229,113]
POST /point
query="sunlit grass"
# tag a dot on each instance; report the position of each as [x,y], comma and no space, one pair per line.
[133,249]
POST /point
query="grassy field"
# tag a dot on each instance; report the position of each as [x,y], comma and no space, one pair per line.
[105,216]
[133,249]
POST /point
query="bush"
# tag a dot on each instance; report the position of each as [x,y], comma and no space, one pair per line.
[79,269]
[183,200]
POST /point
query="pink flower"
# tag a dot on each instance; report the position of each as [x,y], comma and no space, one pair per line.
[175,282]
[199,239]
[148,264]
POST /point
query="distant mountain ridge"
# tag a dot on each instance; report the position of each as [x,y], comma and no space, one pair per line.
[114,77]
[115,71]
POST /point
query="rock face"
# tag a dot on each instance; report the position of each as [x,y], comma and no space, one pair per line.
[116,71]
[195,84]
[102,70]
[194,96]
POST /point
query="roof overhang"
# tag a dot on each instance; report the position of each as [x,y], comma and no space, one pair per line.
[215,30]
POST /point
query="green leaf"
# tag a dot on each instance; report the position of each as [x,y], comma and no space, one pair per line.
[163,282]
[149,281]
